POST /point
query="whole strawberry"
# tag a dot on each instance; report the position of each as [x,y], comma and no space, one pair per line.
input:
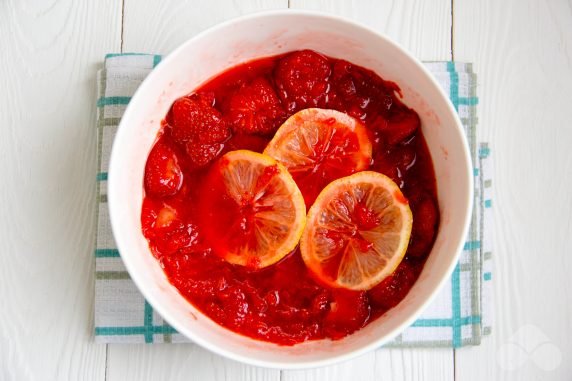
[302,79]
[163,175]
[194,118]
[255,108]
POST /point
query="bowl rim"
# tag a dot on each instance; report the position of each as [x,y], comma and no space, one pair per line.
[113,204]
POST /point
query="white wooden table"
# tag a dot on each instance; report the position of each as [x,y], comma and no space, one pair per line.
[50,51]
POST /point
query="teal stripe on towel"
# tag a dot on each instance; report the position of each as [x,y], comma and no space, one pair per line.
[107,253]
[108,101]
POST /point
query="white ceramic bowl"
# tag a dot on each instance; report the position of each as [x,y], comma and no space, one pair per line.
[266,34]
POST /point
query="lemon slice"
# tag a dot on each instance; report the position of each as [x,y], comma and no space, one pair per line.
[357,231]
[319,146]
[253,213]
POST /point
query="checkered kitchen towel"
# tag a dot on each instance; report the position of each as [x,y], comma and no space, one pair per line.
[459,316]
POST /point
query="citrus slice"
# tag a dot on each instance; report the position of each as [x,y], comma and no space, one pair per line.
[319,146]
[252,212]
[357,231]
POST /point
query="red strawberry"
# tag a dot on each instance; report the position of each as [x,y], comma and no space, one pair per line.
[163,175]
[179,236]
[393,289]
[194,118]
[343,79]
[235,304]
[376,96]
[394,162]
[250,142]
[425,220]
[303,79]
[165,227]
[400,124]
[384,163]
[349,310]
[200,154]
[217,133]
[149,216]
[255,108]
[158,216]
[167,218]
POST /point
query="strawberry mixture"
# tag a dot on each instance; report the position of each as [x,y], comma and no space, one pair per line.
[241,109]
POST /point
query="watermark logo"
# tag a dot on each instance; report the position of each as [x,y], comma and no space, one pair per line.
[529,343]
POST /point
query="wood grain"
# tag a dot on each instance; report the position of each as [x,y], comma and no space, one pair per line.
[430,39]
[522,52]
[385,364]
[159,27]
[50,53]
[422,27]
[178,362]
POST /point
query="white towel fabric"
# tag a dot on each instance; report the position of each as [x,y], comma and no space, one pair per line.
[459,316]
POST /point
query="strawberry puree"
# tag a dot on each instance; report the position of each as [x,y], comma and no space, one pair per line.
[241,109]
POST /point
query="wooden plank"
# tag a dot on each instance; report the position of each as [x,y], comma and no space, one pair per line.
[385,364]
[178,362]
[424,28]
[159,27]
[50,55]
[522,53]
